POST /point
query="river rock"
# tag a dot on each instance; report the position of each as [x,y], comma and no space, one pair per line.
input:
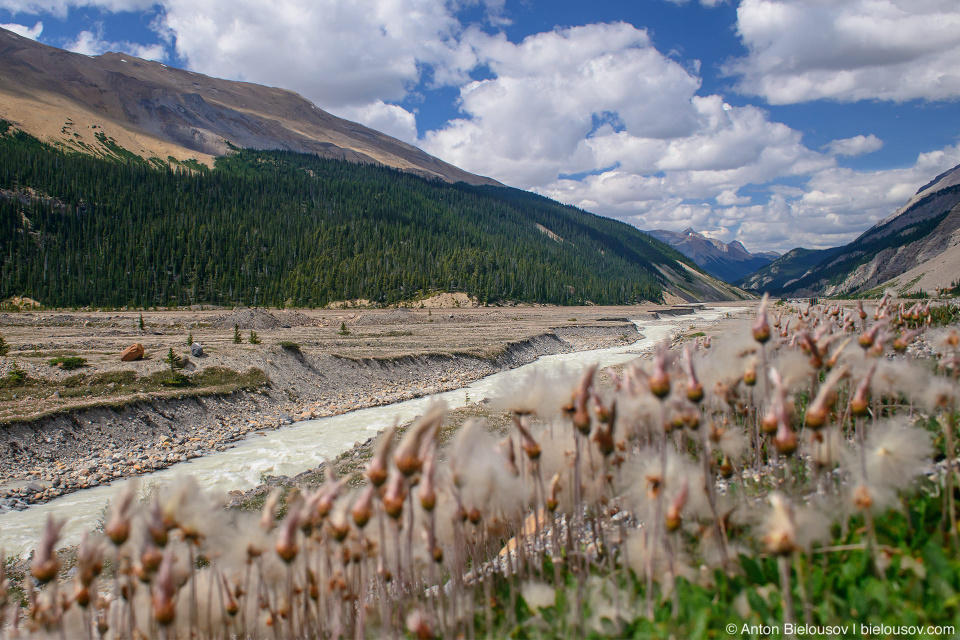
[133,352]
[196,350]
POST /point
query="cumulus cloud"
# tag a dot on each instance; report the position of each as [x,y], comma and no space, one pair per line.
[848,50]
[554,93]
[706,3]
[390,119]
[338,53]
[60,8]
[832,207]
[92,43]
[839,204]
[22,30]
[855,146]
[729,197]
[596,117]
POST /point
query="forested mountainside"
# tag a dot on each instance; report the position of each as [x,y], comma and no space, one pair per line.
[274,227]
[776,277]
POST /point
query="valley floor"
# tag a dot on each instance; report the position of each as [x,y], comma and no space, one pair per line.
[66,430]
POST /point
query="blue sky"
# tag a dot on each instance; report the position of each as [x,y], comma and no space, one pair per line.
[779,123]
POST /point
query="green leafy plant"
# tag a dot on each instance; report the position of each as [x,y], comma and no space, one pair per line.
[68,363]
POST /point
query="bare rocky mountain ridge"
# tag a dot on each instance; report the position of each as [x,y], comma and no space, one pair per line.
[114,102]
[727,261]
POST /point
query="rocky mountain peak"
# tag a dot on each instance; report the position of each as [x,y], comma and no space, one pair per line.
[728,262]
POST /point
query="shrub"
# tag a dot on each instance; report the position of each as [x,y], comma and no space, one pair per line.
[68,363]
[16,377]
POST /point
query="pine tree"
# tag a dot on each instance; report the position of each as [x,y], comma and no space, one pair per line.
[237,339]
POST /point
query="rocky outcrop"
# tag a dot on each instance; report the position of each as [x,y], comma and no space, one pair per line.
[133,352]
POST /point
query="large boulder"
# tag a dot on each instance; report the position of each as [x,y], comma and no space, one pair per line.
[196,350]
[133,352]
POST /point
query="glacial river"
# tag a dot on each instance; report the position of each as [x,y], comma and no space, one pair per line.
[304,445]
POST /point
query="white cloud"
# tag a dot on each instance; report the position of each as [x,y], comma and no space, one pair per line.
[554,93]
[601,101]
[729,198]
[848,50]
[855,146]
[22,30]
[60,8]
[833,206]
[337,53]
[91,43]
[387,118]
[706,3]
[352,58]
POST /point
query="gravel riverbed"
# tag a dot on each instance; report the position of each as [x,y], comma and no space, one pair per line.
[84,447]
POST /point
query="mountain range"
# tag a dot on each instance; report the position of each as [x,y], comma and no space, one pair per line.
[728,262]
[127,182]
[916,248]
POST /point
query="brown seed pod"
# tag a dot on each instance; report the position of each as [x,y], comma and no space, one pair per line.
[46,564]
[761,326]
[726,468]
[394,496]
[362,509]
